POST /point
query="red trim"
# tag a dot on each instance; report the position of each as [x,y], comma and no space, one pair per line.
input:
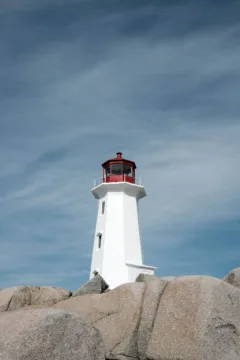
[122,161]
[119,178]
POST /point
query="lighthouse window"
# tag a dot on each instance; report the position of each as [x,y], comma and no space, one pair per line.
[116,169]
[127,170]
[103,207]
[99,240]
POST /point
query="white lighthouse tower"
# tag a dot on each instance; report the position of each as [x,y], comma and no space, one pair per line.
[117,252]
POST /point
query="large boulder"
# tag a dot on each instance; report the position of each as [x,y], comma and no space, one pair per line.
[152,296]
[116,314]
[146,278]
[187,318]
[169,278]
[198,318]
[48,334]
[17,297]
[233,277]
[97,285]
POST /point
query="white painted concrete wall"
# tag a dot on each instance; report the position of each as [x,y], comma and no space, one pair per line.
[133,250]
[114,270]
[135,270]
[97,254]
[119,225]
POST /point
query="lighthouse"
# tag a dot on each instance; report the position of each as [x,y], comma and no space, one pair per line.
[117,251]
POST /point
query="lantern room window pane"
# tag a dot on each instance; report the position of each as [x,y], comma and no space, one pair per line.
[127,170]
[107,171]
[116,169]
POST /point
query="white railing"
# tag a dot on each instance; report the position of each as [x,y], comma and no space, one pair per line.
[138,181]
[97,182]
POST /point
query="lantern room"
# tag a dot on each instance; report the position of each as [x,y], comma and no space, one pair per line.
[119,170]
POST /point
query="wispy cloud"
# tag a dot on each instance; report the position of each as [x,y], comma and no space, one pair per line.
[156,81]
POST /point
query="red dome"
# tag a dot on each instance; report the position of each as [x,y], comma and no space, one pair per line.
[118,170]
[119,159]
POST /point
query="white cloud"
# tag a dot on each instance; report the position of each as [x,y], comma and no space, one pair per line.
[129,100]
[193,180]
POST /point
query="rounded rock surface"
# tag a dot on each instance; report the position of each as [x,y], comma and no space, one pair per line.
[233,277]
[17,297]
[48,334]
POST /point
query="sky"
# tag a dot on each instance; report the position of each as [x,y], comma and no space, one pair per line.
[83,79]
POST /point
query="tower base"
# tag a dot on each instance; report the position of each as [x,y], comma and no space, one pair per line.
[134,270]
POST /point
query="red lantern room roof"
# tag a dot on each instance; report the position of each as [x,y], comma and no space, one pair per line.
[118,159]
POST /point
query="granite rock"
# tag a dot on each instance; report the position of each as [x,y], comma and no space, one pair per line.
[116,314]
[97,285]
[146,278]
[233,278]
[48,334]
[20,296]
[152,297]
[197,318]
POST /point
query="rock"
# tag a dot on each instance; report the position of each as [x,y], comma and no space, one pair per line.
[48,334]
[152,296]
[96,285]
[116,314]
[107,290]
[5,297]
[233,278]
[169,278]
[187,318]
[17,297]
[197,318]
[146,278]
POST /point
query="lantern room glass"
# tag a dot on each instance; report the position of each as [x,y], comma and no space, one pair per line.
[116,169]
[127,170]
[107,171]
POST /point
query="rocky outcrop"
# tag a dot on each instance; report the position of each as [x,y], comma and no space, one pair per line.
[97,285]
[152,296]
[146,278]
[18,297]
[197,318]
[115,314]
[233,277]
[187,318]
[169,278]
[48,334]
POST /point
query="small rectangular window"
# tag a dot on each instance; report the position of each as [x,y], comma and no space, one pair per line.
[103,207]
[99,240]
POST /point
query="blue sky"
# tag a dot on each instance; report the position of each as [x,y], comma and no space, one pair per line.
[81,80]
